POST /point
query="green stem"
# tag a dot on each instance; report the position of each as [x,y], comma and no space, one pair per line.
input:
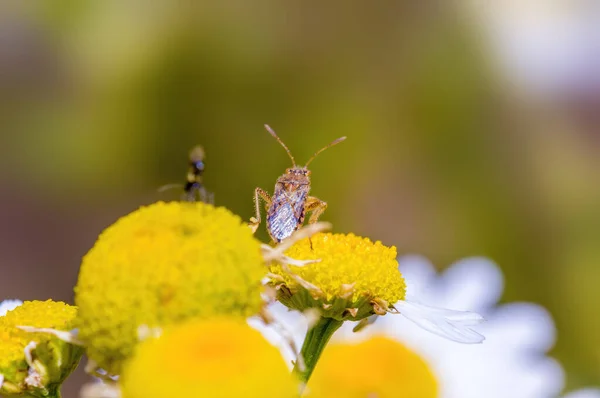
[52,393]
[314,343]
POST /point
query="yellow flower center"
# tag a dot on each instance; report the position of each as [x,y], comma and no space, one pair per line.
[376,368]
[347,260]
[163,264]
[52,359]
[41,314]
[213,358]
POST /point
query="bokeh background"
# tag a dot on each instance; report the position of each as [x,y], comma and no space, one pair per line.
[473,129]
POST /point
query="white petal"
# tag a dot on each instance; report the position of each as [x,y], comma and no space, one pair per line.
[28,351]
[475,283]
[418,273]
[1,380]
[585,393]
[524,327]
[453,325]
[540,377]
[487,373]
[64,335]
[9,305]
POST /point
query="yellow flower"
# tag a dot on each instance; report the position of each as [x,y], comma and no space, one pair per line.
[355,278]
[218,358]
[379,367]
[36,363]
[162,264]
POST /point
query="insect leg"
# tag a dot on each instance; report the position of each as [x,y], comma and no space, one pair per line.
[316,206]
[258,194]
[204,194]
[195,192]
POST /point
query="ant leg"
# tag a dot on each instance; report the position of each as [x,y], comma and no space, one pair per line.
[316,206]
[258,194]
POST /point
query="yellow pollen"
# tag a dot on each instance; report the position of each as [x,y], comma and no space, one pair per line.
[379,367]
[212,358]
[347,261]
[160,265]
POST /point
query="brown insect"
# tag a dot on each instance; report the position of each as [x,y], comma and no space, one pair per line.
[290,203]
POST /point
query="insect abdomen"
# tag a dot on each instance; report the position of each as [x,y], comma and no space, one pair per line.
[285,215]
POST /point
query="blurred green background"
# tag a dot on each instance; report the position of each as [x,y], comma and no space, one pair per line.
[100,103]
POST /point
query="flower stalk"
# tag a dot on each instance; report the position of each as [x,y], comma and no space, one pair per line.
[54,393]
[315,342]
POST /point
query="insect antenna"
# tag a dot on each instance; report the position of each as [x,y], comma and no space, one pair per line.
[270,130]
[335,142]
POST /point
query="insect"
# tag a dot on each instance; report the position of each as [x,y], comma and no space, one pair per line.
[290,203]
[194,189]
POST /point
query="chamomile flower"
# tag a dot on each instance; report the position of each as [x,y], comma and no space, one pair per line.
[222,358]
[35,364]
[352,279]
[392,357]
[164,264]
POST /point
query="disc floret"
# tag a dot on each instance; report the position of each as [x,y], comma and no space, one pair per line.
[164,264]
